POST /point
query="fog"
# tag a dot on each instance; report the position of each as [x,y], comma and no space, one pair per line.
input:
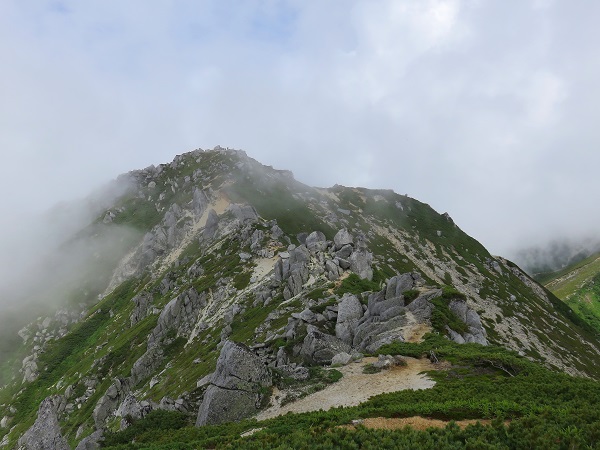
[61,258]
[486,110]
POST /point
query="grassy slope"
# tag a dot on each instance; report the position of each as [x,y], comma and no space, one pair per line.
[579,287]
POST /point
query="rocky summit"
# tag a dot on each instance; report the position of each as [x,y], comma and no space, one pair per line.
[234,276]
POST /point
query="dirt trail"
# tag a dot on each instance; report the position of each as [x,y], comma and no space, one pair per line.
[416,422]
[356,387]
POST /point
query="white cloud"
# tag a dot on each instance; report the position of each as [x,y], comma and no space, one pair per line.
[469,106]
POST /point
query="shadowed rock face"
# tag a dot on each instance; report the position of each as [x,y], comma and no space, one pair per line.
[238,386]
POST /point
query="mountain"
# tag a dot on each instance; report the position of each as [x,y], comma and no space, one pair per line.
[213,278]
[578,285]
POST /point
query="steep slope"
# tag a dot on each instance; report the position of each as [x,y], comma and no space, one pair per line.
[221,252]
[578,285]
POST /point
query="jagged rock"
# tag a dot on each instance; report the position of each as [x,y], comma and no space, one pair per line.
[211,226]
[238,387]
[344,252]
[199,202]
[296,271]
[204,381]
[30,368]
[471,319]
[142,303]
[299,373]
[421,307]
[361,261]
[147,364]
[256,239]
[281,358]
[341,359]
[316,242]
[349,313]
[110,401]
[455,336]
[319,348]
[276,232]
[130,408]
[92,442]
[344,263]
[342,238]
[180,314]
[306,315]
[45,433]
[398,285]
[243,212]
[332,269]
[195,270]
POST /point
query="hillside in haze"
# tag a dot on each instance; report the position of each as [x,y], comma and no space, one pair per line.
[215,292]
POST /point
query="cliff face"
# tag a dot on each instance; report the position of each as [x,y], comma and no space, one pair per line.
[237,269]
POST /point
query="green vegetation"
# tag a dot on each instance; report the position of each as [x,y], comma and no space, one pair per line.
[531,407]
[353,284]
[370,368]
[442,316]
[410,295]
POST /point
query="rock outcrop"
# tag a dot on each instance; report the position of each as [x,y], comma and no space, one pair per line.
[319,348]
[238,387]
[45,433]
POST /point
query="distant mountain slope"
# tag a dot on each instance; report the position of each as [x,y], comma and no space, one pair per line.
[233,276]
[578,286]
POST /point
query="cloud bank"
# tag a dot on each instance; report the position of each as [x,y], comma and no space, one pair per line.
[486,110]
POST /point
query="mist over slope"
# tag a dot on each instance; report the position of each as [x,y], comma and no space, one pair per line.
[214,258]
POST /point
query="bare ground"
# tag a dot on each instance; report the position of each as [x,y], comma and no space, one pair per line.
[416,422]
[356,387]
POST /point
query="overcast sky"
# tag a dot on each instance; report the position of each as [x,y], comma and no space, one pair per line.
[485,109]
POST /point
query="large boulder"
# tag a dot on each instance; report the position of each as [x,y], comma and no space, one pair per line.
[361,261]
[470,317]
[319,348]
[45,433]
[316,241]
[92,442]
[342,238]
[398,285]
[350,311]
[238,387]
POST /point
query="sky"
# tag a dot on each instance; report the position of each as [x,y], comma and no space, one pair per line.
[484,109]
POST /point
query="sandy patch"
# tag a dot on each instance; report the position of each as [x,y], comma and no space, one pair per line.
[416,422]
[263,267]
[356,387]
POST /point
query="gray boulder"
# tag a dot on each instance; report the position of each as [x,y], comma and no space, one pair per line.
[342,238]
[319,348]
[345,251]
[180,314]
[350,311]
[211,226]
[341,359]
[45,433]
[398,285]
[361,261]
[110,401]
[316,242]
[238,389]
[142,302]
[92,442]
[199,202]
[476,331]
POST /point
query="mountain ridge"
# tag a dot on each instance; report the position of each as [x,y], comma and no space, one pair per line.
[229,250]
